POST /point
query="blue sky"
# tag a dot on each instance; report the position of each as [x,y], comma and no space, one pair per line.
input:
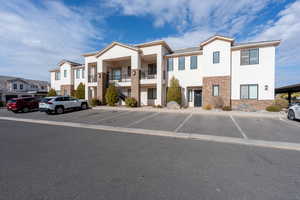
[36,34]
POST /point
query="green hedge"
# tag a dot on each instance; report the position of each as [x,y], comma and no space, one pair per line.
[131,102]
[273,108]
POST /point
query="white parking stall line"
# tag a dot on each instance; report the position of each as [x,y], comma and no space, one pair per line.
[239,128]
[115,116]
[183,122]
[143,119]
[291,123]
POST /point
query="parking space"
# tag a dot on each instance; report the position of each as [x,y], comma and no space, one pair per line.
[162,121]
[269,129]
[211,125]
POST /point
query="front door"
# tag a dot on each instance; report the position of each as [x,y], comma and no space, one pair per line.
[197,98]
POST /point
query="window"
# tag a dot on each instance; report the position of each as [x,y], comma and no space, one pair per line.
[129,71]
[190,95]
[77,73]
[21,86]
[151,93]
[249,56]
[249,92]
[15,86]
[116,74]
[181,63]
[57,75]
[65,73]
[216,57]
[170,64]
[129,92]
[151,69]
[215,90]
[193,64]
[82,73]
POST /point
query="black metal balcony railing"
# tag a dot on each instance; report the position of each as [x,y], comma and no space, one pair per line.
[120,77]
[146,75]
[92,78]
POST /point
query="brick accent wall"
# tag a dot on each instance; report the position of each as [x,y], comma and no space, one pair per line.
[224,90]
[101,86]
[135,85]
[66,89]
[250,104]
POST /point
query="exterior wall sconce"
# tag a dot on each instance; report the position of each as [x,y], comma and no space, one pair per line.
[266,87]
[133,73]
[99,75]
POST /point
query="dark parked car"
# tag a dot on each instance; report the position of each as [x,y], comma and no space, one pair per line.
[24,104]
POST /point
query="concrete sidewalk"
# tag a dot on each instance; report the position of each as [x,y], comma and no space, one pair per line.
[198,111]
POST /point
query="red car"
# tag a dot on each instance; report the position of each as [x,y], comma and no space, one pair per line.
[24,104]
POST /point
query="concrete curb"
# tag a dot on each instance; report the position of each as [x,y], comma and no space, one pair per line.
[196,111]
[180,135]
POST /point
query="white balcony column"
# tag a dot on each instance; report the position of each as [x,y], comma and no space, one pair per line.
[159,81]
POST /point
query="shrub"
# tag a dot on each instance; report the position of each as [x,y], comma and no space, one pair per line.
[227,108]
[131,102]
[174,91]
[273,108]
[282,103]
[207,107]
[94,102]
[218,102]
[111,95]
[51,93]
[80,91]
[1,104]
[73,93]
[157,106]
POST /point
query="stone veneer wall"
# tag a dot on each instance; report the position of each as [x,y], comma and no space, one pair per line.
[224,90]
[135,85]
[101,86]
[250,104]
[69,89]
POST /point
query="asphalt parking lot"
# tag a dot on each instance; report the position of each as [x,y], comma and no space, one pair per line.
[258,128]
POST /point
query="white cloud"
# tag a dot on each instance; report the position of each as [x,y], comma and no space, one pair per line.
[286,28]
[195,20]
[185,13]
[35,37]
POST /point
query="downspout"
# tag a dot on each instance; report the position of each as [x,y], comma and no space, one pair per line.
[230,102]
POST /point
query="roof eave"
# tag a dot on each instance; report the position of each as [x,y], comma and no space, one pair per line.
[257,44]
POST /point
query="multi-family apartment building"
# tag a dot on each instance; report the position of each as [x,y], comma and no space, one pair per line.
[13,87]
[238,74]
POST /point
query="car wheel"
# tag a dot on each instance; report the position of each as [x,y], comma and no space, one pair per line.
[25,110]
[59,110]
[291,115]
[83,106]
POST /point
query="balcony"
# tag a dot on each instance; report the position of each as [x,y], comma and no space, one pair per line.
[92,78]
[120,77]
[148,76]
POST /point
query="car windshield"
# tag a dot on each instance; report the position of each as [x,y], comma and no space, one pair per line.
[12,101]
[45,100]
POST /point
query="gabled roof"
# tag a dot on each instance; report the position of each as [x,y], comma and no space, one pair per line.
[152,43]
[99,53]
[68,61]
[216,37]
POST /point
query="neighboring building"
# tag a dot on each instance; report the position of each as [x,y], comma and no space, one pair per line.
[217,70]
[67,77]
[13,87]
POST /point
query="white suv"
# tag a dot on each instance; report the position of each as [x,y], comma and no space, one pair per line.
[294,112]
[61,103]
